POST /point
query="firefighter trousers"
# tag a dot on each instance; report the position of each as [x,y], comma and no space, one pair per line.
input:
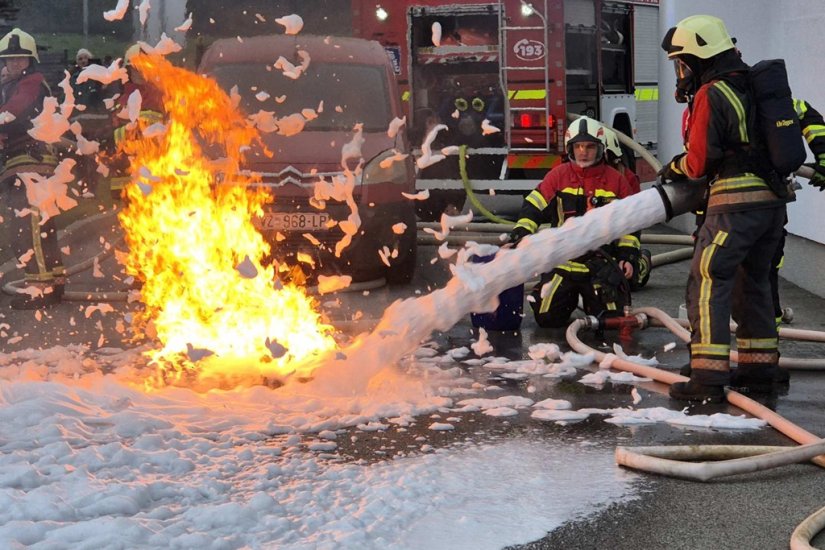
[34,243]
[604,292]
[729,275]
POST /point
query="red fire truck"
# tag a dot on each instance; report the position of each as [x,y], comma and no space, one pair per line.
[522,65]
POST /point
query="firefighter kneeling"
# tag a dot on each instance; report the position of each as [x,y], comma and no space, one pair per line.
[601,277]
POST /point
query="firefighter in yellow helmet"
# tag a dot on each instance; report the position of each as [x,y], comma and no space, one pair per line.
[151,111]
[35,242]
[743,221]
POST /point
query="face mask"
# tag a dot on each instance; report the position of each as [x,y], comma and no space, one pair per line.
[685,81]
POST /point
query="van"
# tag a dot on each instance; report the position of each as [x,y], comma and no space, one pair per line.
[345,89]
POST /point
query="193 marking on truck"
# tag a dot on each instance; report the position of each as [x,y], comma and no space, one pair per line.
[528,50]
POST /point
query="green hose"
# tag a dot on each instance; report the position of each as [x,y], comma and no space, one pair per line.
[468,187]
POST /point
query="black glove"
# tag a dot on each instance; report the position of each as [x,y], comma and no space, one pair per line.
[818,179]
[670,171]
[518,233]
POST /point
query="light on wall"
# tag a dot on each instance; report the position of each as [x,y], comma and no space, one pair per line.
[381,13]
[526,9]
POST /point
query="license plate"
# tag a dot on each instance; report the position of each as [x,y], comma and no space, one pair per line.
[292,221]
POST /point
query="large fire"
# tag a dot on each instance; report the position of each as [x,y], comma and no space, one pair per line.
[217,311]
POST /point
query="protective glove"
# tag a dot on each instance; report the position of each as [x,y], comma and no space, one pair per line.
[517,234]
[818,179]
[670,171]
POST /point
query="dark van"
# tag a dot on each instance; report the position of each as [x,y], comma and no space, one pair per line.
[345,84]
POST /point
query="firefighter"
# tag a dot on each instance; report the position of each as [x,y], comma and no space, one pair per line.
[151,111]
[600,276]
[813,129]
[89,93]
[743,221]
[35,242]
[617,157]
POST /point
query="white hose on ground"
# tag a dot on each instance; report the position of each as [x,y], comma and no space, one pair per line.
[475,228]
[460,240]
[659,461]
[659,238]
[671,257]
[748,405]
[471,226]
[807,530]
[679,328]
[729,459]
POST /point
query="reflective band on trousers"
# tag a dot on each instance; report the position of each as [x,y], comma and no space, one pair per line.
[706,287]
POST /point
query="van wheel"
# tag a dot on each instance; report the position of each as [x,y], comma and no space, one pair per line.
[402,273]
[430,210]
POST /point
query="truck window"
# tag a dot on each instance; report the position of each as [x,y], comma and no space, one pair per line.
[359,90]
[615,47]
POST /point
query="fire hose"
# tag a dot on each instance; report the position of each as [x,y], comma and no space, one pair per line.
[730,459]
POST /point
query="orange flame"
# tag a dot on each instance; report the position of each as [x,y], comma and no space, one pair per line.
[192,245]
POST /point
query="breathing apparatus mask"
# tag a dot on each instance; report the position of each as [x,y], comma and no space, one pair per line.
[685,80]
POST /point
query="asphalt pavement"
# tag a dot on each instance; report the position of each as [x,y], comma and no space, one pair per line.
[757,510]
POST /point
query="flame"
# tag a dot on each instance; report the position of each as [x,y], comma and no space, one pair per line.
[192,245]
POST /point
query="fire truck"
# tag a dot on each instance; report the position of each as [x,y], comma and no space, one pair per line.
[521,65]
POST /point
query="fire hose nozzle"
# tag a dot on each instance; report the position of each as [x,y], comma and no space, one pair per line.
[591,322]
[682,196]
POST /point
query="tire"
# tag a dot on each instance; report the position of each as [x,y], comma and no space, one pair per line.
[402,273]
[430,210]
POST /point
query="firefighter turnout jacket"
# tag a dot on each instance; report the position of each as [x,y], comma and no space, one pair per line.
[34,240]
[718,142]
[568,191]
[151,112]
[813,130]
[741,231]
[23,97]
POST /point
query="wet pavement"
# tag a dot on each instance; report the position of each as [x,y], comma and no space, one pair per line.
[747,511]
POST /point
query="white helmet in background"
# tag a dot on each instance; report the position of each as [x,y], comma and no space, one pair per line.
[611,144]
[585,129]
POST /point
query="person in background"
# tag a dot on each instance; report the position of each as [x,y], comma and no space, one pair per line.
[813,130]
[743,220]
[151,111]
[22,94]
[89,93]
[600,277]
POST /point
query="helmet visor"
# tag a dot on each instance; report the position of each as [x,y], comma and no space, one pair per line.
[683,71]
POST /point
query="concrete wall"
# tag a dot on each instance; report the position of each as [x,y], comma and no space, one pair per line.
[164,16]
[789,29]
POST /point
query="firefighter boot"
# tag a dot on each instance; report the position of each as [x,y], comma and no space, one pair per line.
[50,295]
[694,391]
[754,378]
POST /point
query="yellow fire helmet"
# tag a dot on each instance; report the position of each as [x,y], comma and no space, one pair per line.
[18,43]
[131,52]
[701,35]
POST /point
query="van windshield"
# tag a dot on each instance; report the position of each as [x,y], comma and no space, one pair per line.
[351,93]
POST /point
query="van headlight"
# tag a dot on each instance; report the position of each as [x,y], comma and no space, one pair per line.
[388,167]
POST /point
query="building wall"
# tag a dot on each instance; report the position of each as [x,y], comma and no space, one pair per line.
[164,16]
[764,29]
